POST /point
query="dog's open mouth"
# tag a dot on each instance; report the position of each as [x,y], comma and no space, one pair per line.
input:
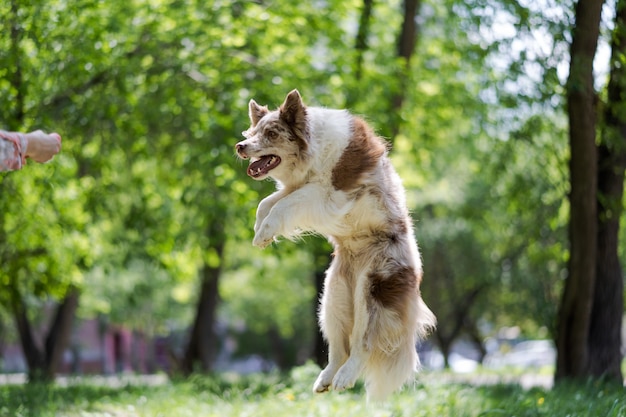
[263,165]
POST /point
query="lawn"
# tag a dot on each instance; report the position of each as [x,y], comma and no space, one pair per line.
[434,395]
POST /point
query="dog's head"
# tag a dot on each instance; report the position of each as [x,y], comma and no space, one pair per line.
[276,140]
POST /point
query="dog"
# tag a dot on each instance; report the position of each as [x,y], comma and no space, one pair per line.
[334,178]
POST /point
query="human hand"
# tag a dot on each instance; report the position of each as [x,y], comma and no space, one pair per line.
[42,146]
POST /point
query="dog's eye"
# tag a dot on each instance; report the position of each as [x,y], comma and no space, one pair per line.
[271,135]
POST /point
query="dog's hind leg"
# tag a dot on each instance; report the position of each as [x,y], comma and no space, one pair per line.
[335,320]
[360,351]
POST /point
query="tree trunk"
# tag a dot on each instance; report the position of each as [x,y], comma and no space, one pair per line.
[60,331]
[445,345]
[606,316]
[408,34]
[279,350]
[576,303]
[461,322]
[201,347]
[361,37]
[605,331]
[15,69]
[471,328]
[43,363]
[360,46]
[407,39]
[34,355]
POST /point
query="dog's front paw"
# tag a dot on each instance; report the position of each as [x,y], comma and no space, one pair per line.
[264,235]
[262,241]
[322,384]
[345,378]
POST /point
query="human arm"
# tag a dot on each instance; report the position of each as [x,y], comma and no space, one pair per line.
[12,150]
[15,147]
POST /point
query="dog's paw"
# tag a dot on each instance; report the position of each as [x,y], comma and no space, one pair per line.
[265,233]
[262,242]
[322,384]
[345,378]
[263,237]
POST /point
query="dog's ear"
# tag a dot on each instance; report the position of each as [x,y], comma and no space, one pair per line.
[293,111]
[256,112]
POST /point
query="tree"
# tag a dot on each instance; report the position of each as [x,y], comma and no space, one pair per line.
[454,289]
[96,95]
[576,303]
[35,256]
[200,351]
[604,339]
[267,300]
[588,340]
[44,361]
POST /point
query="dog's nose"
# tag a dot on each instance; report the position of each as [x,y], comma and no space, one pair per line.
[241,147]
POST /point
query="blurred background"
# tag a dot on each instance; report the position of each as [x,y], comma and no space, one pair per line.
[131,250]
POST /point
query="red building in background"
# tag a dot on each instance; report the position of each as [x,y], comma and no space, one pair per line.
[97,347]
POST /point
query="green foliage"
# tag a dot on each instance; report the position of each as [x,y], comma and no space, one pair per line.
[272,289]
[288,395]
[487,173]
[268,299]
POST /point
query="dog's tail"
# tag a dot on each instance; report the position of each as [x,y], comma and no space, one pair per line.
[394,361]
[385,374]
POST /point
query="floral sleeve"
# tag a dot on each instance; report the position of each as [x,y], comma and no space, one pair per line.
[12,150]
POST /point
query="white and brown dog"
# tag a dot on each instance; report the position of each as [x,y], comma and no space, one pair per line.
[334,178]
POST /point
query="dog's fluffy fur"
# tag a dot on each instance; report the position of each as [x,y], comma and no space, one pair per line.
[334,178]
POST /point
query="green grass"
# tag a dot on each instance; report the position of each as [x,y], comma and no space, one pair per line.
[290,395]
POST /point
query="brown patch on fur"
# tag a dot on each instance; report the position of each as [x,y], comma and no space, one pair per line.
[392,288]
[399,229]
[344,260]
[360,156]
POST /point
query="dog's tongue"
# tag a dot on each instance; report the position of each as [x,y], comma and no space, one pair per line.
[263,165]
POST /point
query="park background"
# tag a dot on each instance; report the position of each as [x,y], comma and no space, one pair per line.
[131,251]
